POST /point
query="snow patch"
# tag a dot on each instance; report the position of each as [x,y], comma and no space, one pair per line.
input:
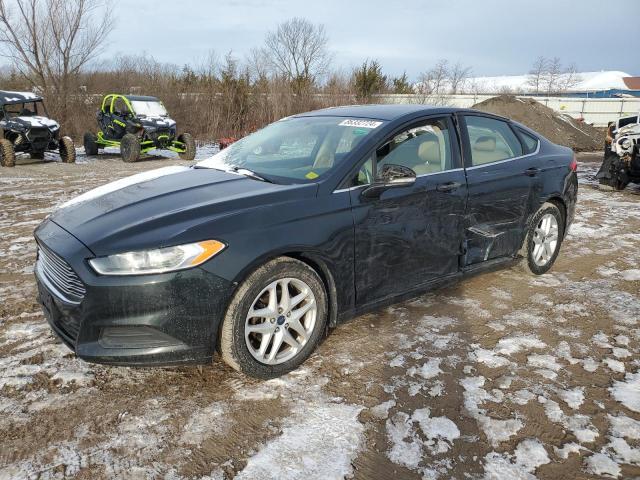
[382,410]
[602,464]
[495,430]
[627,392]
[632,275]
[439,431]
[320,440]
[528,456]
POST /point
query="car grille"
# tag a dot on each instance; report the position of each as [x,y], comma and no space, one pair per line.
[60,275]
[165,133]
[39,137]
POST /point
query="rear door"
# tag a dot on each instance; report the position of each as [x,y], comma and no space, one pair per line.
[410,235]
[501,176]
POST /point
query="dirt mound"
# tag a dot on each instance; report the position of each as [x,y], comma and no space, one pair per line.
[559,128]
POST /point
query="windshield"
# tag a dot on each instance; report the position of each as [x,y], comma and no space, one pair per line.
[298,149]
[149,108]
[26,109]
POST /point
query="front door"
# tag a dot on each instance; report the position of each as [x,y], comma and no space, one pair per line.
[411,235]
[500,179]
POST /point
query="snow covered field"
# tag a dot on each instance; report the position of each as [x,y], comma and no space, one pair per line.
[502,376]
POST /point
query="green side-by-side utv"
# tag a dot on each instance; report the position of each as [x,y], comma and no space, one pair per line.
[137,124]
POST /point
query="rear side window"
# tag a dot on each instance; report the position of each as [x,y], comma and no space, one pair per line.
[491,140]
[530,142]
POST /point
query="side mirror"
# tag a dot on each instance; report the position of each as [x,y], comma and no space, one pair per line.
[391,176]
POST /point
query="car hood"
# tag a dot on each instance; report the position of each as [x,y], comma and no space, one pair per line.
[32,121]
[158,122]
[168,206]
[632,129]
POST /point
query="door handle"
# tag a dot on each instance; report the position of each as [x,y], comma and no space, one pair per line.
[531,172]
[448,187]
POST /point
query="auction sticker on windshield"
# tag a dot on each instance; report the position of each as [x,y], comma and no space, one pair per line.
[360,123]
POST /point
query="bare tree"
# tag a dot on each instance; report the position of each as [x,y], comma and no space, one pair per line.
[457,77]
[434,80]
[570,78]
[537,72]
[433,84]
[552,75]
[49,41]
[298,50]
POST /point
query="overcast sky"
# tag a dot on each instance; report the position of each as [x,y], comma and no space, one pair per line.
[494,37]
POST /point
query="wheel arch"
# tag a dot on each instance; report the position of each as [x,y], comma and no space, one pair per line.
[310,258]
[562,206]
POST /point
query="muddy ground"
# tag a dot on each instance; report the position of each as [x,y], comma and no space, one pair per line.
[505,375]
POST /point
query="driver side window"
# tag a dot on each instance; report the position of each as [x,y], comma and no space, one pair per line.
[425,148]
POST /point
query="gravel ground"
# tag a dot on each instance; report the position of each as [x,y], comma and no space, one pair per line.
[504,375]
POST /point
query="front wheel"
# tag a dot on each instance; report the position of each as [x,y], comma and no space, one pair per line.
[90,144]
[189,147]
[7,153]
[275,320]
[67,150]
[130,148]
[543,240]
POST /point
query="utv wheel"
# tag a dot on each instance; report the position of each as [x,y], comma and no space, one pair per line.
[7,154]
[67,150]
[130,148]
[619,184]
[37,156]
[189,147]
[275,320]
[90,144]
[543,240]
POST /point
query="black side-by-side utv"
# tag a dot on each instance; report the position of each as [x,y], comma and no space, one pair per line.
[25,127]
[137,124]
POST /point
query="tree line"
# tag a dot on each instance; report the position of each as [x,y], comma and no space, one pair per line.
[54,47]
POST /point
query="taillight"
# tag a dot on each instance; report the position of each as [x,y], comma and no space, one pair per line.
[573,166]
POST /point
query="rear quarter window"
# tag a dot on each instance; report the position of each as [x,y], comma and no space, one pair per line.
[530,142]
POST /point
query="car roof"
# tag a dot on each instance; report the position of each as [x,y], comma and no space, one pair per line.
[141,98]
[379,111]
[8,97]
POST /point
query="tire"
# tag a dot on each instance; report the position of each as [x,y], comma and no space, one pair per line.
[90,144]
[537,261]
[67,150]
[620,183]
[130,148]
[235,339]
[7,153]
[189,146]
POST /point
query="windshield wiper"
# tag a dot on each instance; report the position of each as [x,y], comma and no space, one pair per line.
[249,173]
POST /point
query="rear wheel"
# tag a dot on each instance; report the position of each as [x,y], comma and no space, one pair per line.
[130,148]
[543,240]
[90,144]
[275,320]
[67,150]
[7,153]
[189,146]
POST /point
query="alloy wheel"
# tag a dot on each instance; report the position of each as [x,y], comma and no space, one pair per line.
[280,321]
[545,240]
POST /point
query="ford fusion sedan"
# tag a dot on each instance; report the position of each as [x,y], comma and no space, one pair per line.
[259,250]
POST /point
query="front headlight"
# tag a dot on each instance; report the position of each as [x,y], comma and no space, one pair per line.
[160,260]
[625,143]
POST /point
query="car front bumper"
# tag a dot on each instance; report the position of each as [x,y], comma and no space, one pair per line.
[142,320]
